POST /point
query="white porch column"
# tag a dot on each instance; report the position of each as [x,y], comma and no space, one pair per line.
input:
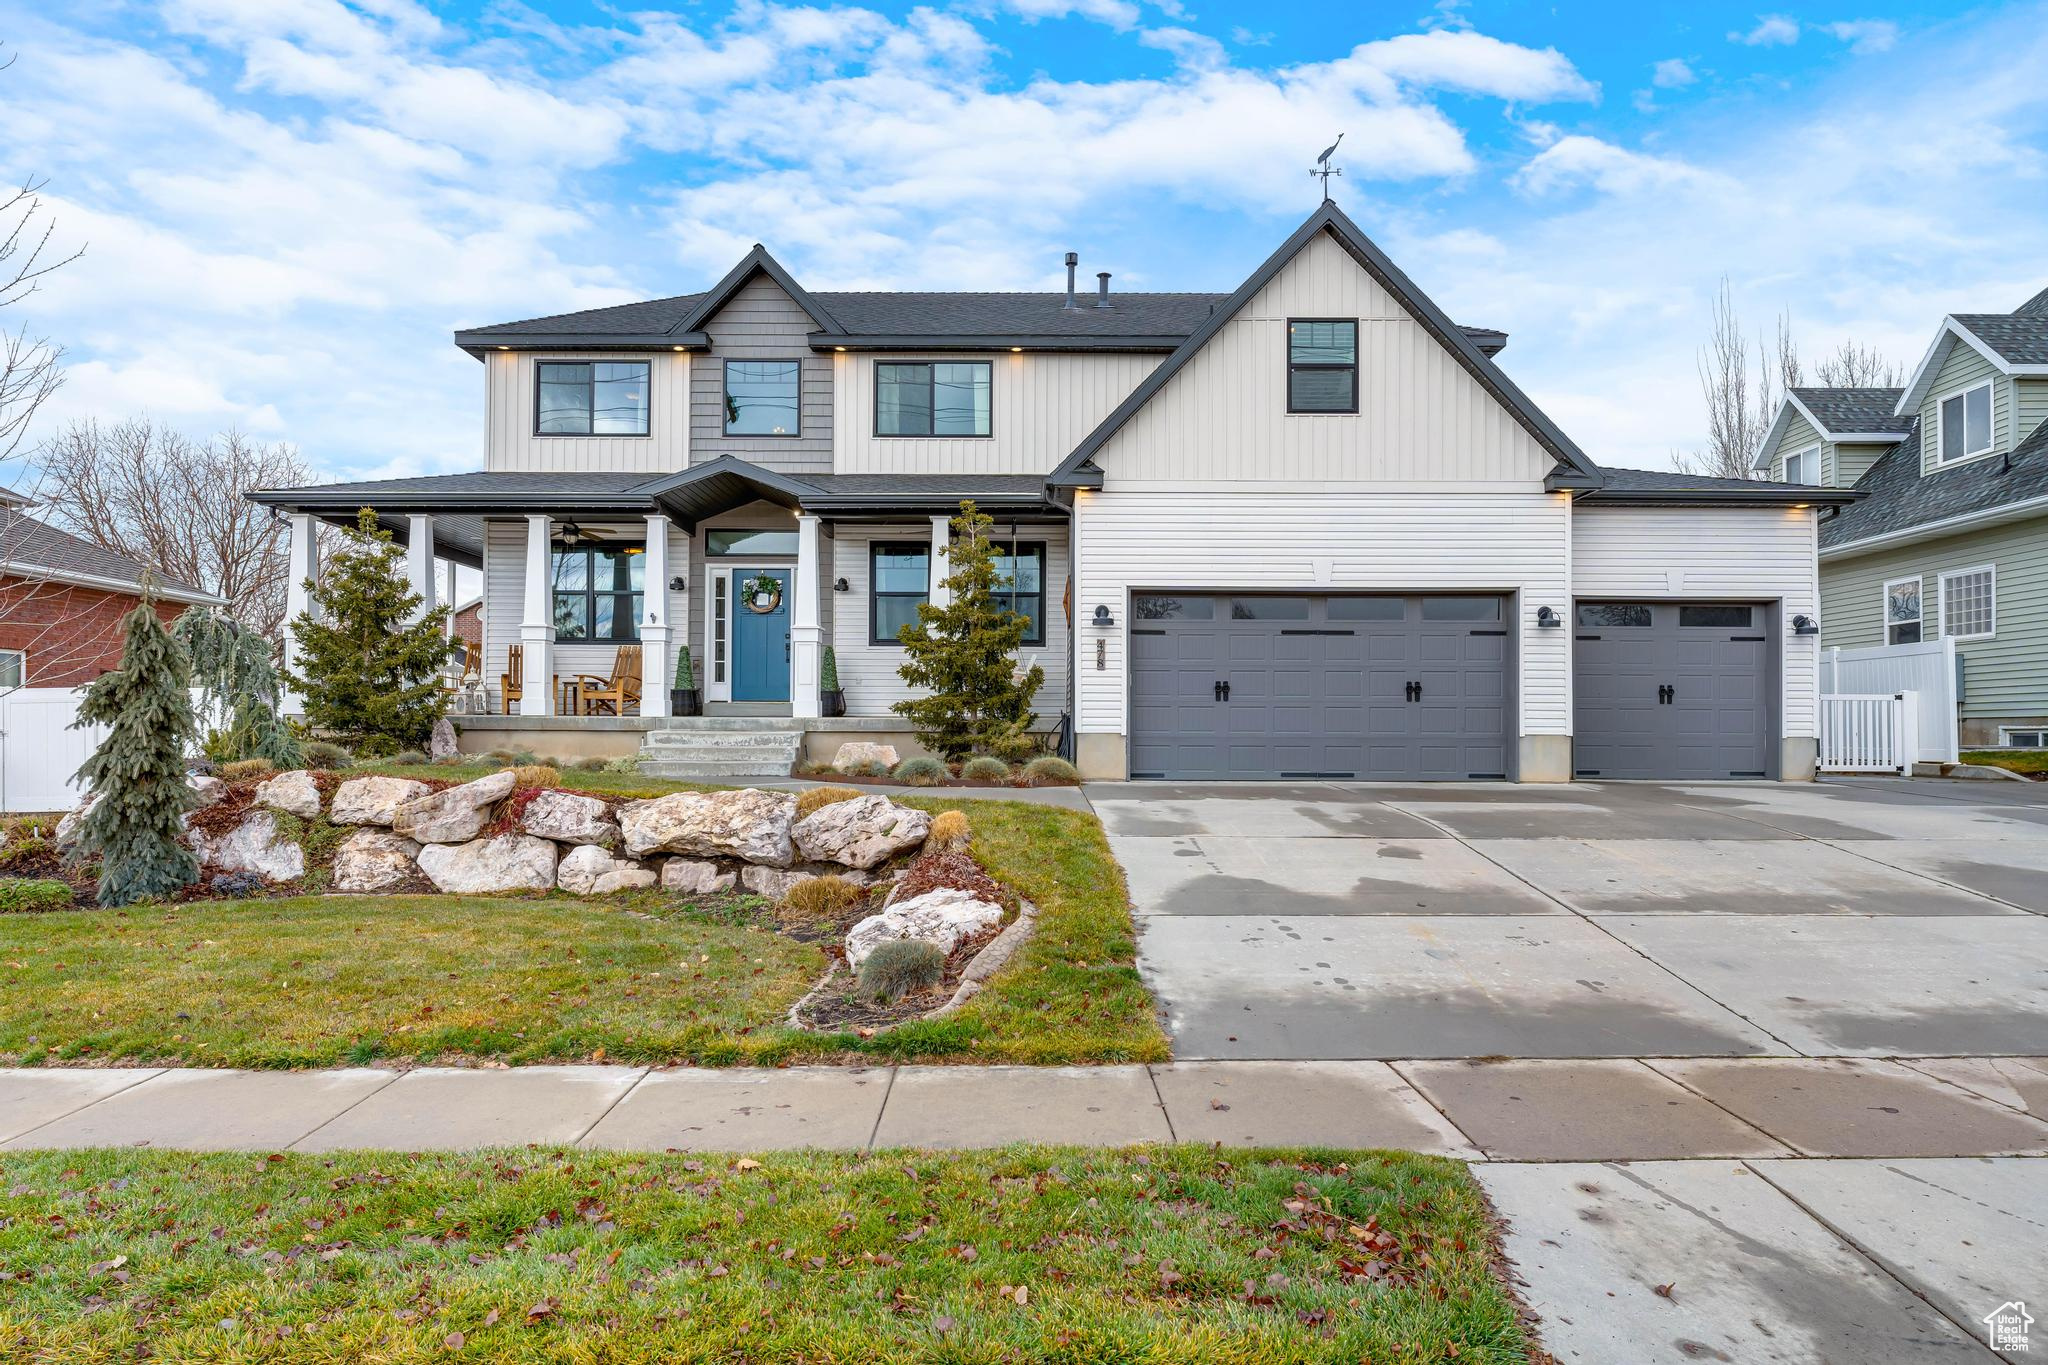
[657,672]
[940,561]
[448,581]
[537,624]
[419,561]
[302,563]
[806,633]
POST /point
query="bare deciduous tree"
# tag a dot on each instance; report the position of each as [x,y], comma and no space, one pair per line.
[1737,414]
[1857,367]
[160,497]
[29,372]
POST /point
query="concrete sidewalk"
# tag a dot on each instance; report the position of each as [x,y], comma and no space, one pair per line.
[1595,1110]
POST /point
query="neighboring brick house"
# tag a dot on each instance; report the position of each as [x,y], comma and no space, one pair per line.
[468,621]
[62,600]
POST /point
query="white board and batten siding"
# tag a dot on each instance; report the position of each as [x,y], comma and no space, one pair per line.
[511,381]
[1737,554]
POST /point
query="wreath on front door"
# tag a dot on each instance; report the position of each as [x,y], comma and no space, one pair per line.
[762,593]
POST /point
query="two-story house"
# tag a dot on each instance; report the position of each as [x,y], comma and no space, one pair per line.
[1309,528]
[1952,537]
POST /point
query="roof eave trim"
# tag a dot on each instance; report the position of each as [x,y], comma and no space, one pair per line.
[1946,526]
[757,261]
[908,341]
[475,342]
[1724,497]
[1917,388]
[14,568]
[316,500]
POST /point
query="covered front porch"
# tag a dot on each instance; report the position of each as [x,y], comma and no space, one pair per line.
[589,578]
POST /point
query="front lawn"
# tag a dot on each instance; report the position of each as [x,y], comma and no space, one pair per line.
[2032,762]
[1175,1254]
[326,980]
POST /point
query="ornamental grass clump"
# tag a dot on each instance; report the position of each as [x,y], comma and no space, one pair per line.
[247,770]
[948,832]
[922,771]
[823,898]
[896,969]
[1051,772]
[320,754]
[536,775]
[985,768]
[817,798]
[866,767]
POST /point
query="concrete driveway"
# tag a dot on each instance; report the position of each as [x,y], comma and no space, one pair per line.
[1352,921]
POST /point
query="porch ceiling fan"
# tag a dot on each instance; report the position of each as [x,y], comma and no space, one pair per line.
[573,535]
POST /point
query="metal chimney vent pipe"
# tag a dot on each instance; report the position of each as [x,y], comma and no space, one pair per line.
[1102,289]
[1073,260]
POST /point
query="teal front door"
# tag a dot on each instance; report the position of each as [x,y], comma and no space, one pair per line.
[760,636]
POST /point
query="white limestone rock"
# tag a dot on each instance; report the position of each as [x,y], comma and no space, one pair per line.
[441,743]
[208,791]
[748,824]
[456,815]
[509,862]
[697,876]
[373,800]
[855,752]
[253,846]
[588,870]
[945,917]
[67,828]
[860,833]
[294,793]
[568,818]
[374,860]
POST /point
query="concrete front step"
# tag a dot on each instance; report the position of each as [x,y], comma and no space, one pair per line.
[721,739]
[761,756]
[707,769]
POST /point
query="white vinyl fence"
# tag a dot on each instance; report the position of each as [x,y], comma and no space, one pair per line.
[38,751]
[1868,734]
[1927,670]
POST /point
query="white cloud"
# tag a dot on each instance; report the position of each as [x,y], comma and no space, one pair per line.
[1772,30]
[1865,35]
[1192,50]
[1458,59]
[1673,73]
[1578,161]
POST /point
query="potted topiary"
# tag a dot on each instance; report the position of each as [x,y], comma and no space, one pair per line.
[831,699]
[684,699]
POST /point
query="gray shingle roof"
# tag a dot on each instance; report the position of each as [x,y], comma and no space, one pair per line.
[1901,498]
[1847,410]
[2036,306]
[30,543]
[1667,486]
[2022,338]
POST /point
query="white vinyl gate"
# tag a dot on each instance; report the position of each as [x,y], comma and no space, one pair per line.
[1868,733]
[39,751]
[1927,669]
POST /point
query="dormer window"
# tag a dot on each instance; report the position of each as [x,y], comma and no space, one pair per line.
[1322,365]
[1965,424]
[1803,466]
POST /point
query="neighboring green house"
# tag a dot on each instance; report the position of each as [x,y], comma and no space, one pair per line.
[1952,538]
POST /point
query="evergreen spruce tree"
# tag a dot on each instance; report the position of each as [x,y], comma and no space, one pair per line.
[964,657]
[238,687]
[365,668]
[137,775]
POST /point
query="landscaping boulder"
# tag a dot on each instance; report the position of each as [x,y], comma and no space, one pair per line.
[509,862]
[855,752]
[748,824]
[210,791]
[696,876]
[861,832]
[568,818]
[441,743]
[294,793]
[253,846]
[67,828]
[945,918]
[374,860]
[456,815]
[777,882]
[373,800]
[588,870]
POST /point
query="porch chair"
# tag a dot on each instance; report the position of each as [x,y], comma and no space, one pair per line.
[472,661]
[511,683]
[621,687]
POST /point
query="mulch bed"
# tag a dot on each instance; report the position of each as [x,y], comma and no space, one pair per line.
[842,1011]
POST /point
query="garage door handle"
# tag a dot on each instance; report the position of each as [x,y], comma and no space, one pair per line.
[1223,691]
[1415,691]
[1666,694]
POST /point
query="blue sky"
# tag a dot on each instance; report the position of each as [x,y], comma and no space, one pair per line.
[288,205]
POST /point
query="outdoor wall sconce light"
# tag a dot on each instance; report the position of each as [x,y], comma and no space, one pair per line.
[1102,617]
[678,583]
[1547,618]
[841,585]
[1805,625]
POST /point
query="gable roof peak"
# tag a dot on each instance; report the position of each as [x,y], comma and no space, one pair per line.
[2036,306]
[759,261]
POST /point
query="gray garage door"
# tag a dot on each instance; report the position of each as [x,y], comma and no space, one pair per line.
[1352,686]
[1672,690]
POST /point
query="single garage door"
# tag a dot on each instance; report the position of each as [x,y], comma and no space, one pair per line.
[1672,690]
[1378,687]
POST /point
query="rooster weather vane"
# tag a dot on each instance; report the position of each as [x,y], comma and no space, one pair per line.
[1324,169]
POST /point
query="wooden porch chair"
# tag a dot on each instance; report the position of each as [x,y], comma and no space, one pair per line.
[472,661]
[621,687]
[512,682]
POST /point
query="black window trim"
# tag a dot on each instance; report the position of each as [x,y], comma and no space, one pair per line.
[1003,547]
[932,406]
[589,592]
[875,595]
[1293,365]
[542,364]
[725,393]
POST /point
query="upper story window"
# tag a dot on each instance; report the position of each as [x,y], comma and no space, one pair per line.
[763,397]
[598,591]
[932,398]
[900,580]
[592,398]
[1965,424]
[1020,586]
[1803,466]
[1322,365]
[1902,611]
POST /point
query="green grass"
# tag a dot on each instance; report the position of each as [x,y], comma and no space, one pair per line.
[321,981]
[2033,762]
[1176,1254]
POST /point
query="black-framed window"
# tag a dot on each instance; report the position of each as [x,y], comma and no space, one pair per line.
[1020,584]
[598,591]
[899,578]
[591,398]
[764,397]
[932,398]
[1322,365]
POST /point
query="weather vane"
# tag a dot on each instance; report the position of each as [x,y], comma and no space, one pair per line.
[1324,169]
